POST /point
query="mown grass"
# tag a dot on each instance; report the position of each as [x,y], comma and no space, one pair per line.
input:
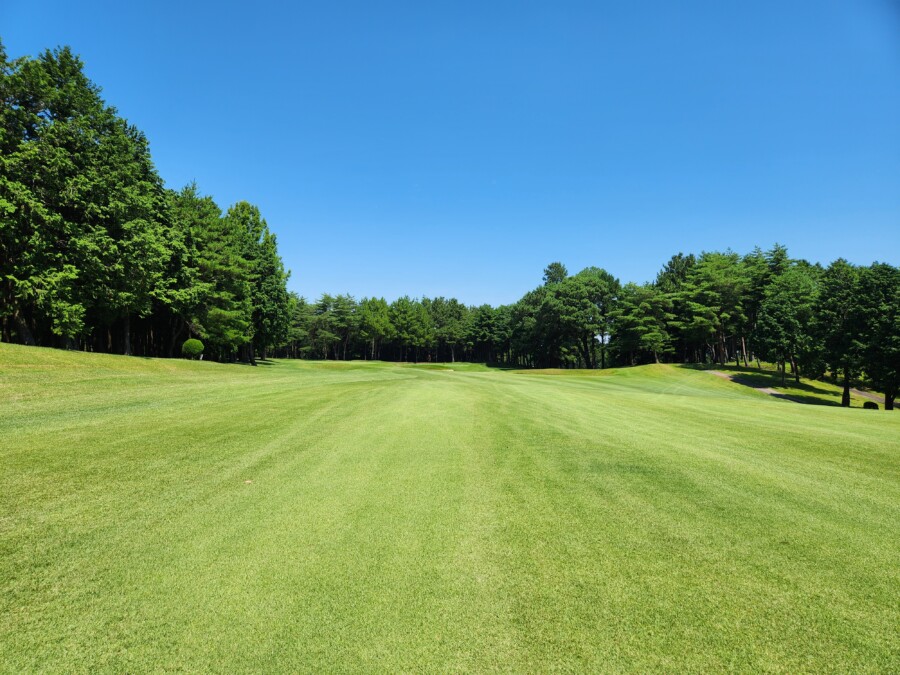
[816,392]
[404,518]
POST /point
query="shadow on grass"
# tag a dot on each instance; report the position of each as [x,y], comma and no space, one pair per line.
[804,392]
[503,366]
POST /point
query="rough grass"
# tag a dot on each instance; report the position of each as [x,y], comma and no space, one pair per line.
[173,515]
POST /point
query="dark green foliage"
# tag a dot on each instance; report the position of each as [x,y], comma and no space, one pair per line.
[555,273]
[838,324]
[374,325]
[192,348]
[712,298]
[877,310]
[641,323]
[785,332]
[96,254]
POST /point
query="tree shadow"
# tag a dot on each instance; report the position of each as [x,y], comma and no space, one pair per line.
[809,393]
[503,366]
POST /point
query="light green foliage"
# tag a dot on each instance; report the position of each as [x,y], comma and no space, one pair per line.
[192,348]
[450,517]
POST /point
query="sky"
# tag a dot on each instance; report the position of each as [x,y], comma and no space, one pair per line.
[457,148]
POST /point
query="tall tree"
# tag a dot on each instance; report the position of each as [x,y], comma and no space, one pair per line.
[838,324]
[412,327]
[225,318]
[375,324]
[80,204]
[713,297]
[345,321]
[877,308]
[555,273]
[785,331]
[449,320]
[641,322]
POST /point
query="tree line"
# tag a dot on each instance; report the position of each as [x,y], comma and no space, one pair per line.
[842,320]
[96,254]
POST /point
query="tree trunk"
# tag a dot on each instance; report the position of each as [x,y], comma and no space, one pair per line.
[782,366]
[126,334]
[585,353]
[889,396]
[845,397]
[175,336]
[24,331]
[795,369]
[744,350]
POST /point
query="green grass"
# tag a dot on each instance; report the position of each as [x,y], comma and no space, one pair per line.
[806,391]
[456,518]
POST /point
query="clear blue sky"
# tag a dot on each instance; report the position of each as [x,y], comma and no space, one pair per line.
[457,148]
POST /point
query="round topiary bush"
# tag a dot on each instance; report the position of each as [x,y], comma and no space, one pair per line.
[870,405]
[192,348]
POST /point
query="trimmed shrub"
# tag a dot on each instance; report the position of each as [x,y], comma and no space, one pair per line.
[192,348]
[870,405]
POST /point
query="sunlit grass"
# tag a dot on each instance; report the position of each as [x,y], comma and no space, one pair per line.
[172,515]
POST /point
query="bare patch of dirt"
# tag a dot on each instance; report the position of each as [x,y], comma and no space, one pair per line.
[869,395]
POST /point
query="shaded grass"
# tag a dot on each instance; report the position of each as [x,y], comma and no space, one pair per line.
[806,391]
[415,518]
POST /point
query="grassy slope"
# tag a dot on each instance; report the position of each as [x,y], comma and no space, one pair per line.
[807,391]
[408,518]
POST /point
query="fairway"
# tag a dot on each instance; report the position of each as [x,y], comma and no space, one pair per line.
[321,516]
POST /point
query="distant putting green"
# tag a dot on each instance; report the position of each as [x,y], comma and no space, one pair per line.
[171,515]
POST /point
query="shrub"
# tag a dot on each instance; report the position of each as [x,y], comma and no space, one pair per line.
[192,348]
[870,405]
